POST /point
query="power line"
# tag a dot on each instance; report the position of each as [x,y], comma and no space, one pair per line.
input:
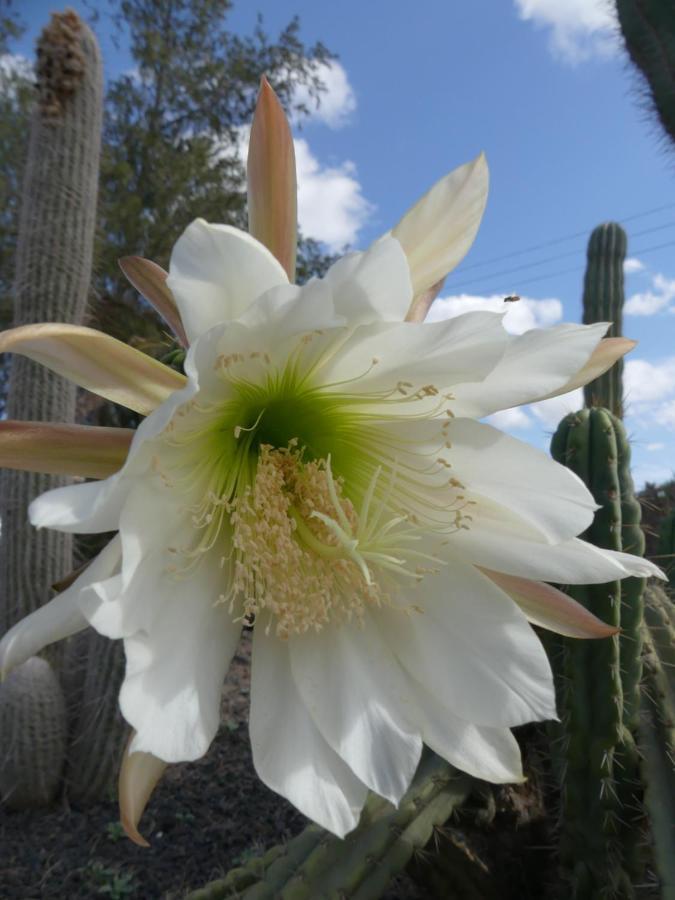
[560,240]
[548,259]
[578,268]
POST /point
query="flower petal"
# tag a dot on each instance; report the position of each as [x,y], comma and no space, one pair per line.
[492,754]
[216,271]
[466,348]
[271,178]
[607,352]
[570,562]
[56,449]
[371,286]
[57,619]
[149,279]
[536,364]
[97,362]
[473,648]
[526,481]
[356,694]
[175,670]
[96,506]
[289,753]
[550,608]
[422,303]
[139,775]
[437,232]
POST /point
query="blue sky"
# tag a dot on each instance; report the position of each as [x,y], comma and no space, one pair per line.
[541,86]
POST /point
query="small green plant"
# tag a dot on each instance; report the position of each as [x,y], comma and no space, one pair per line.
[109,882]
[115,831]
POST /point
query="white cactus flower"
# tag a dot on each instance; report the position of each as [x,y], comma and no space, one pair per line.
[321,476]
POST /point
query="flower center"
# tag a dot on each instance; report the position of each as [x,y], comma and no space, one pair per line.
[313,511]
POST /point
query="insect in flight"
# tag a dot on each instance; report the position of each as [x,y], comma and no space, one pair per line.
[512,298]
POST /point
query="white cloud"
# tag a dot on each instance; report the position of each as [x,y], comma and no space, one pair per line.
[654,446]
[510,419]
[648,303]
[331,207]
[336,104]
[526,313]
[632,264]
[646,382]
[580,29]
[15,64]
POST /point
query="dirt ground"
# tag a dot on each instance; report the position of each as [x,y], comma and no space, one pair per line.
[204,818]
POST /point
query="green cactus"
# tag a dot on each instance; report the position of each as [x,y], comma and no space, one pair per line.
[599,697]
[666,548]
[53,269]
[648,28]
[603,302]
[33,712]
[317,864]
[657,731]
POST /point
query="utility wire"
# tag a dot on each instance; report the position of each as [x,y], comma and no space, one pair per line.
[548,259]
[578,268]
[560,240]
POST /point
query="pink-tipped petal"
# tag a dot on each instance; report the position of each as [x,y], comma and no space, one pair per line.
[149,279]
[55,449]
[139,775]
[97,362]
[272,187]
[550,608]
[419,308]
[608,351]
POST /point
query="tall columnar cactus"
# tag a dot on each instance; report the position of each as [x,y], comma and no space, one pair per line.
[666,548]
[603,302]
[657,731]
[317,864]
[599,680]
[648,28]
[53,271]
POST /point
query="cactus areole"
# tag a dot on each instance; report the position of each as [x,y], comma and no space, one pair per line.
[321,476]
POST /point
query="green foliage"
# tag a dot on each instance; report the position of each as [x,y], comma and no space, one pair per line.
[603,302]
[599,680]
[317,864]
[648,28]
[109,882]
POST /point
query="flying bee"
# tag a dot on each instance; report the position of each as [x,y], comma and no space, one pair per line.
[512,298]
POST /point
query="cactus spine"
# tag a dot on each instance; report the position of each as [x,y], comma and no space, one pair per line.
[53,270]
[600,680]
[316,864]
[603,302]
[648,28]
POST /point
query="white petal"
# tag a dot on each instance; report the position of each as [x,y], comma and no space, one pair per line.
[372,285]
[570,562]
[438,230]
[442,354]
[535,364]
[289,754]
[95,507]
[175,671]
[526,481]
[472,647]
[57,619]
[356,693]
[492,754]
[215,272]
